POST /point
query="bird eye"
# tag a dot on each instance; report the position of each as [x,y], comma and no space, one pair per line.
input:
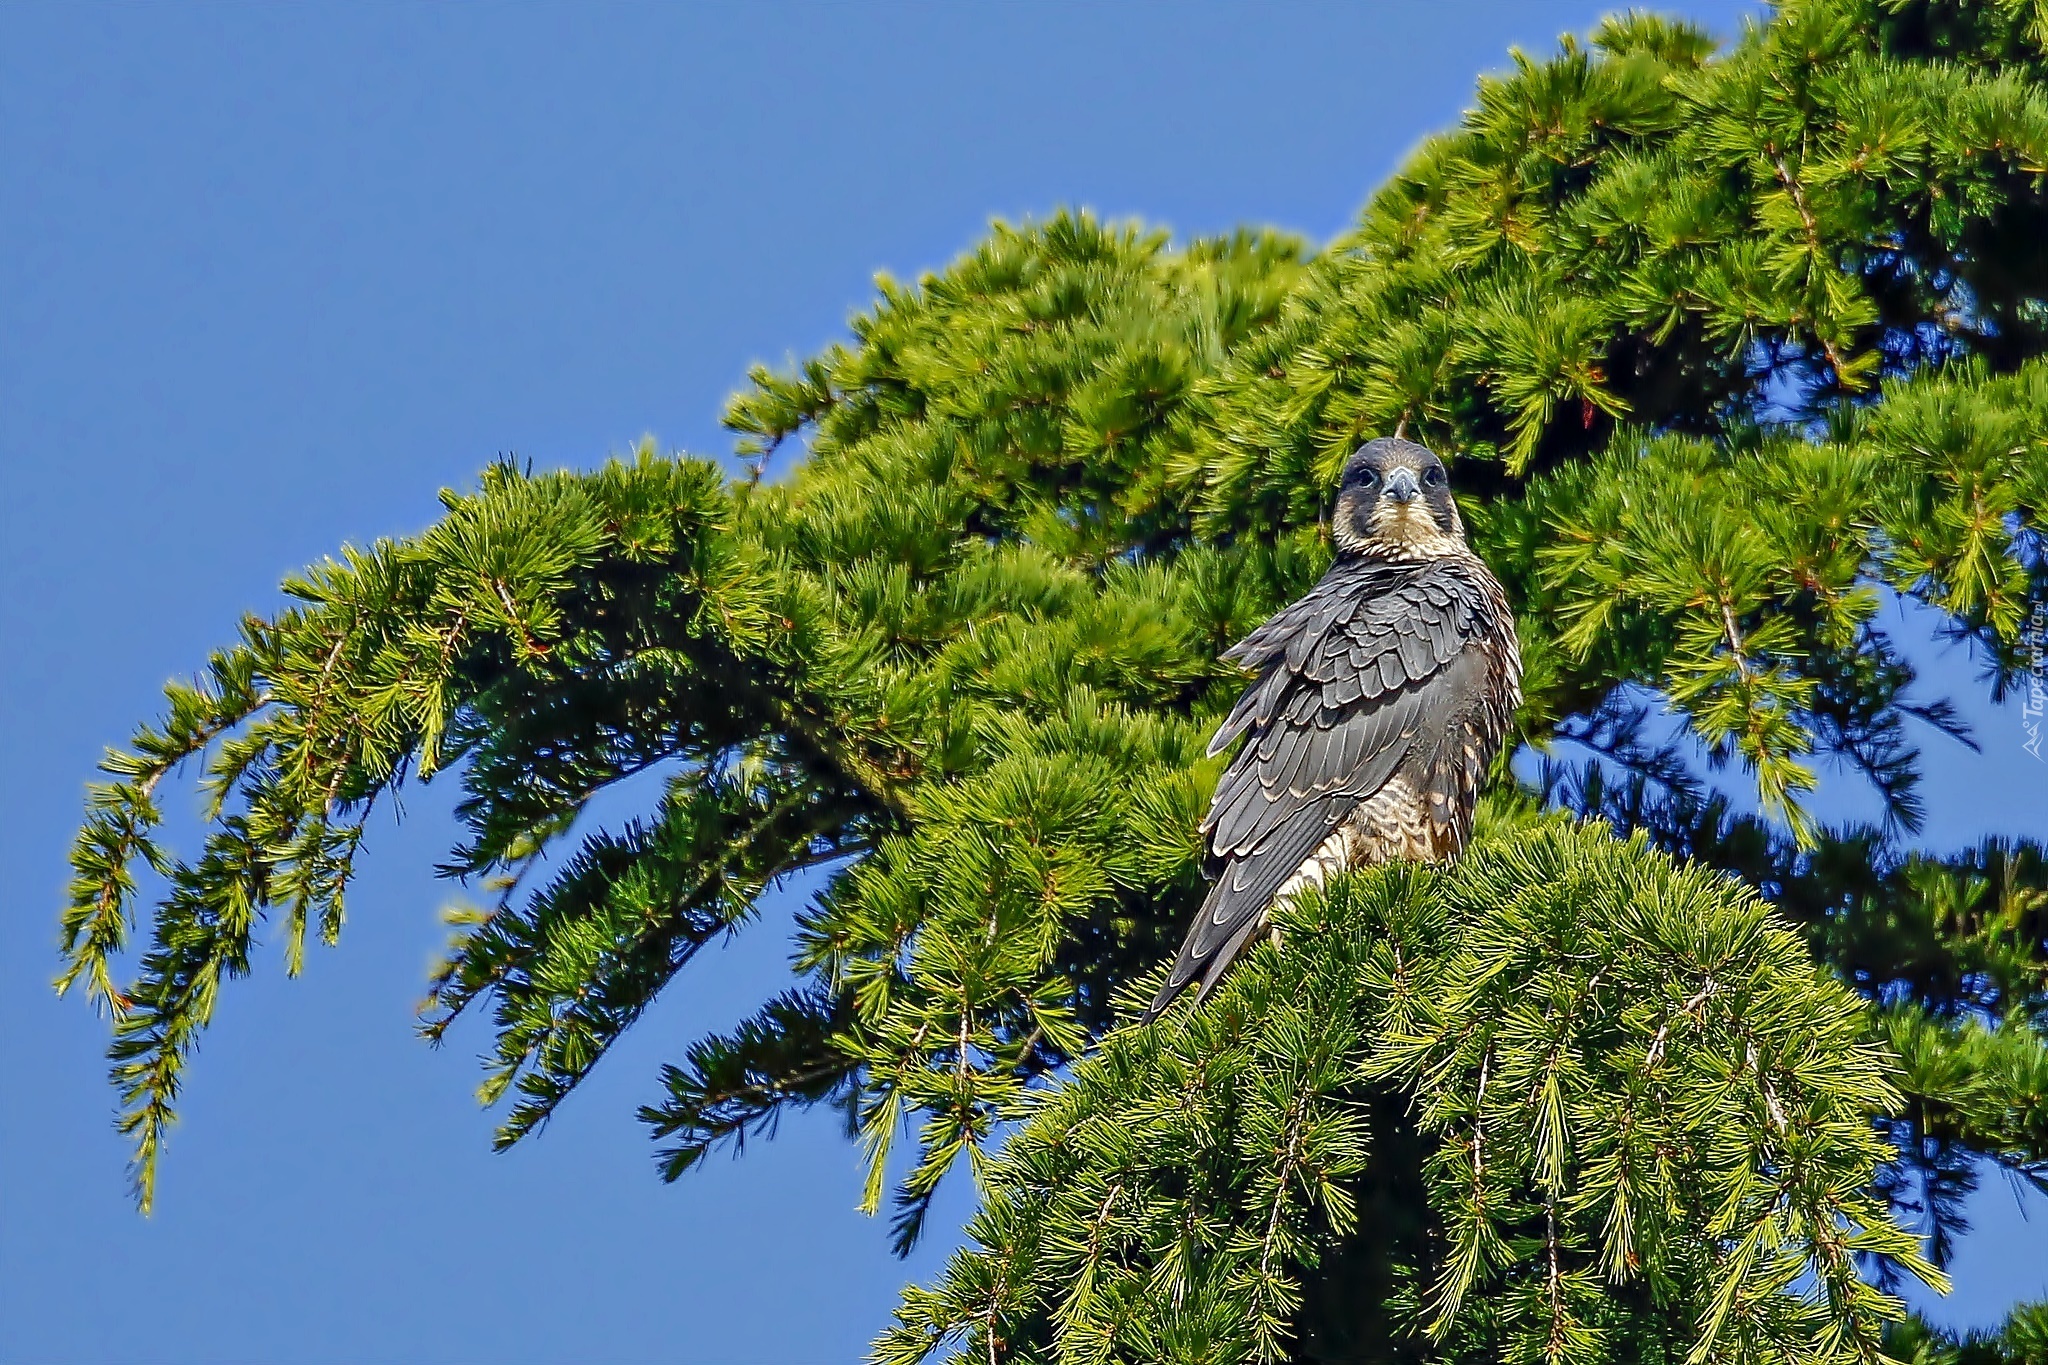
[1368,477]
[1433,477]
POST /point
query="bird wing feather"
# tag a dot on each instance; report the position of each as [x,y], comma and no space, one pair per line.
[1350,679]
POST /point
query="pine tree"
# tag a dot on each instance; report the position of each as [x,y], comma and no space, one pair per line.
[1726,346]
[1644,1114]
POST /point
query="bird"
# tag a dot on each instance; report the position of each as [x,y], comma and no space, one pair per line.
[1378,702]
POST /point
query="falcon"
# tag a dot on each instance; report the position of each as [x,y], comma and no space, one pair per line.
[1378,702]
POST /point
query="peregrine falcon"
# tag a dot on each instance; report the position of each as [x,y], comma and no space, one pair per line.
[1379,700]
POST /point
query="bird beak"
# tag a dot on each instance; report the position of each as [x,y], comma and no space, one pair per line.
[1401,485]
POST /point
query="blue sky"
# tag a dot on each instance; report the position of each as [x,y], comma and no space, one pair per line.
[269,278]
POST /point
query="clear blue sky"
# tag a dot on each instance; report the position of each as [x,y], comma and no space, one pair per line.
[269,277]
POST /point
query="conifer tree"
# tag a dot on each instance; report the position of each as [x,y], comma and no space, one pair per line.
[1726,347]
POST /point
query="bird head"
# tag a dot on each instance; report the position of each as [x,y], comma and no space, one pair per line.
[1394,502]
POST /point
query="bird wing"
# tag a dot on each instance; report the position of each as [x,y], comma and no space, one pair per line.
[1351,679]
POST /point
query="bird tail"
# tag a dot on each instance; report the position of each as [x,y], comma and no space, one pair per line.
[1186,972]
